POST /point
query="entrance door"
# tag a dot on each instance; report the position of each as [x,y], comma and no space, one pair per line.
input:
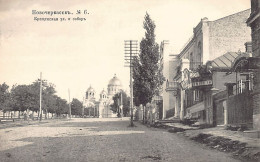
[220,110]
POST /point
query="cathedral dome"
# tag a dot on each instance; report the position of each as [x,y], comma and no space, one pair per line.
[103,92]
[114,81]
[90,89]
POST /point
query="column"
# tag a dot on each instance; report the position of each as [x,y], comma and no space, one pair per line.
[177,112]
[182,104]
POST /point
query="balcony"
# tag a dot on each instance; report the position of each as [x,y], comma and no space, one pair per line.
[172,86]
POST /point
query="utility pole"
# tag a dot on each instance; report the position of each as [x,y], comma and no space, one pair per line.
[69,106]
[41,96]
[83,107]
[131,51]
[121,97]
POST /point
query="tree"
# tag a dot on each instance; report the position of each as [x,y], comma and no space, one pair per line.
[5,97]
[61,106]
[23,98]
[76,107]
[27,97]
[146,72]
[118,98]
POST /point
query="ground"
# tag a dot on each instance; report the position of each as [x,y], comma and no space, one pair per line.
[100,140]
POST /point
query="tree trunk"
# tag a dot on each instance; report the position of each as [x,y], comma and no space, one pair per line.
[143,114]
[33,115]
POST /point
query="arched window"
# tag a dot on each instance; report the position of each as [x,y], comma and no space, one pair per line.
[191,60]
[199,53]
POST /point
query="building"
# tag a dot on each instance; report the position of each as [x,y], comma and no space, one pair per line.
[210,40]
[166,64]
[254,22]
[218,92]
[102,106]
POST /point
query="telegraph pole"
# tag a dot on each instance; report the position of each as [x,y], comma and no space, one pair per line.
[83,107]
[69,106]
[131,51]
[121,97]
[41,96]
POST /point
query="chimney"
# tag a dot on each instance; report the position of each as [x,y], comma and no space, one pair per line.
[248,46]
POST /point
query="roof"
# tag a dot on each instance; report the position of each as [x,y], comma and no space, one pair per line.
[90,89]
[103,92]
[225,61]
[114,81]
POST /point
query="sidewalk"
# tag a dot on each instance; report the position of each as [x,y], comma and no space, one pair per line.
[22,122]
[235,142]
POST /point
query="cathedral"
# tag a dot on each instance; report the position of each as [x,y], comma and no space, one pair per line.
[102,105]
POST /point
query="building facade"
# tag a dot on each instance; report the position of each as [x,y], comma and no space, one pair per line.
[167,64]
[254,22]
[221,92]
[210,40]
[102,107]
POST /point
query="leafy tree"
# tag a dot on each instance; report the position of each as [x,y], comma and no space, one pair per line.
[5,98]
[76,107]
[118,98]
[61,106]
[23,98]
[146,72]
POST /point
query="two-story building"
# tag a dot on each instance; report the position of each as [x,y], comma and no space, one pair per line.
[210,40]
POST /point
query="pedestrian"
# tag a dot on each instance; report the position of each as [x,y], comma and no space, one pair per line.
[25,116]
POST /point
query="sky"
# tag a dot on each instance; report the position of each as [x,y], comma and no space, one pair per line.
[76,54]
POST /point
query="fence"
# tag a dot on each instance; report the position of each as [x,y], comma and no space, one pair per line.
[239,109]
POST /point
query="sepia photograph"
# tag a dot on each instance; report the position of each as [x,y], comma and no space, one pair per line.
[129,80]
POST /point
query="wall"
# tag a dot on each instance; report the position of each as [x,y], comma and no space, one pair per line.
[219,107]
[193,46]
[169,69]
[229,34]
[256,38]
[220,78]
[256,110]
[254,22]
[240,110]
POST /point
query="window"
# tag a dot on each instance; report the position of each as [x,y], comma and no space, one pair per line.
[191,61]
[199,50]
[208,100]
[196,94]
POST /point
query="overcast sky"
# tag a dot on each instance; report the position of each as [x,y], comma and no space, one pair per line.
[73,55]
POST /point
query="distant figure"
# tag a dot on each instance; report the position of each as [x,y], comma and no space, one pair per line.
[31,116]
[25,116]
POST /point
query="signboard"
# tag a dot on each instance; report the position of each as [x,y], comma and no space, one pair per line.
[202,83]
[186,82]
[194,74]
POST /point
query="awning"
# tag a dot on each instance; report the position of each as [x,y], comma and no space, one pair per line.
[196,108]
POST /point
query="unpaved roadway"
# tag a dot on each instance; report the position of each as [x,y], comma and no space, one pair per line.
[101,140]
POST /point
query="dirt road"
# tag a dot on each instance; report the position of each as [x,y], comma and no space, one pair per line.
[100,140]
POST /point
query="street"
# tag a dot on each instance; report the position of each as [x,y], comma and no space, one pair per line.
[93,139]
